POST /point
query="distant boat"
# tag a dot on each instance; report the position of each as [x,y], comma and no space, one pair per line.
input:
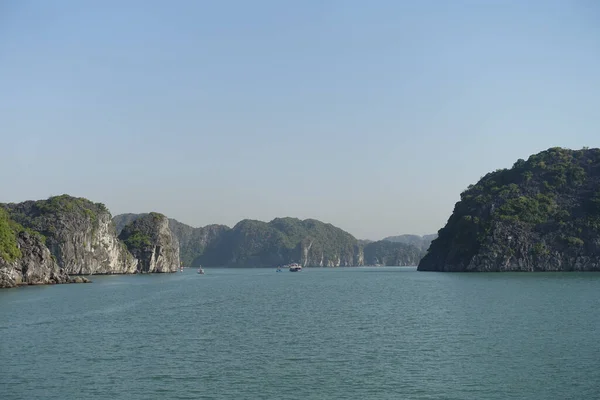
[181,267]
[200,271]
[295,267]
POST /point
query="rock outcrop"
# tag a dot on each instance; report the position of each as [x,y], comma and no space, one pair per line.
[79,233]
[25,259]
[152,243]
[543,214]
[34,266]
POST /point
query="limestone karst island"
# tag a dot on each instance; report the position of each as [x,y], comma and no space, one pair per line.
[542,214]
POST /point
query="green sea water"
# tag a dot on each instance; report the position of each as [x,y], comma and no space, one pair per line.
[348,333]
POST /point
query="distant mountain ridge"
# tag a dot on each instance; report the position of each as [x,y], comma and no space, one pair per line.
[421,242]
[283,240]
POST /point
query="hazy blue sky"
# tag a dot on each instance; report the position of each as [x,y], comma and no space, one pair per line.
[371,115]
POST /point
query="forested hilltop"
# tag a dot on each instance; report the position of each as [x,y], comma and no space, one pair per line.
[542,214]
[310,242]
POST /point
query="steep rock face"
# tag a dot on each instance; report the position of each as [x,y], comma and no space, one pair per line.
[35,266]
[388,253]
[543,214]
[152,243]
[79,233]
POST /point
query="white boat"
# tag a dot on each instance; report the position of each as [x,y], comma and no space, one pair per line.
[200,271]
[295,267]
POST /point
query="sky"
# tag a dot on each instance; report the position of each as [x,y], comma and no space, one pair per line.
[370,115]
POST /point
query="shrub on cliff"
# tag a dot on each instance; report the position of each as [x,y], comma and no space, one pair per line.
[9,251]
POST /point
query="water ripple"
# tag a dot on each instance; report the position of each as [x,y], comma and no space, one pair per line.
[338,334]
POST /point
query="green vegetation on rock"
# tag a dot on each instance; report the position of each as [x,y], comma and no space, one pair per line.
[122,220]
[541,214]
[9,250]
[141,232]
[151,241]
[49,216]
[76,231]
[138,240]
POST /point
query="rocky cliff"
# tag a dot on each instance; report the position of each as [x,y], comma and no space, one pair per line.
[388,253]
[24,258]
[152,243]
[80,234]
[542,214]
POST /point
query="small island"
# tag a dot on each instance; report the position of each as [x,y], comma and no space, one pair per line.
[542,214]
[152,243]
